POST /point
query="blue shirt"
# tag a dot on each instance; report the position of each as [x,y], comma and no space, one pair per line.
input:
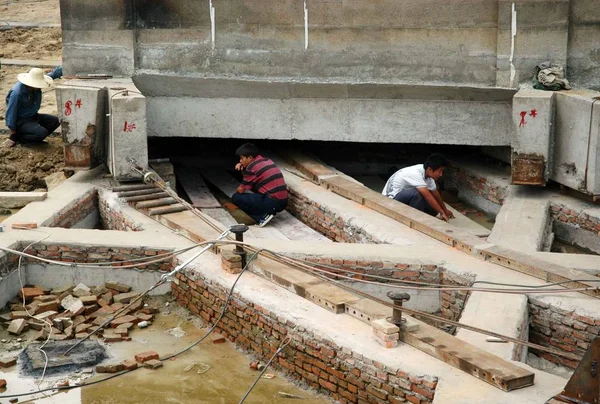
[22,105]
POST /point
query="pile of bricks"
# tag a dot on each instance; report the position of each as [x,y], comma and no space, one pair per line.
[148,359]
[75,312]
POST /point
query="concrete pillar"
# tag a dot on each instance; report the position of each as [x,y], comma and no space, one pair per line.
[532,143]
[576,140]
[593,170]
[81,109]
[127,135]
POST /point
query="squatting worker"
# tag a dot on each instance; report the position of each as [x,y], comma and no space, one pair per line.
[261,176]
[22,105]
[415,186]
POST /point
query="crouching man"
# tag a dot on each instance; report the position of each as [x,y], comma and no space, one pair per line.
[261,176]
[22,105]
[415,186]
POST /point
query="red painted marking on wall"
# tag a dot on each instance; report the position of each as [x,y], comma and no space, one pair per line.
[533,113]
[78,103]
[128,127]
[523,115]
[68,108]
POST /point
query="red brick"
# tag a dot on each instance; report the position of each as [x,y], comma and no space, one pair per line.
[146,356]
[413,399]
[328,385]
[30,293]
[2,383]
[109,368]
[423,392]
[8,362]
[129,364]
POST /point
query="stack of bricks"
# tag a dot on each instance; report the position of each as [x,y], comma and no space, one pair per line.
[230,261]
[385,333]
[113,218]
[75,212]
[560,329]
[91,254]
[75,312]
[340,372]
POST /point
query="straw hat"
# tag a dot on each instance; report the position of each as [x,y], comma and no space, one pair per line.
[35,78]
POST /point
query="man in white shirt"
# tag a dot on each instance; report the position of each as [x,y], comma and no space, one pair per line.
[415,186]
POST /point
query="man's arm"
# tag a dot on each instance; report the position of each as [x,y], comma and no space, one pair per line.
[440,201]
[431,200]
[12,108]
[56,73]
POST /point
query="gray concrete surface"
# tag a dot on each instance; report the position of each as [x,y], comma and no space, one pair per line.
[523,223]
[13,200]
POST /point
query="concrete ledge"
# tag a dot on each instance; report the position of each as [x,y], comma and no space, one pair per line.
[13,200]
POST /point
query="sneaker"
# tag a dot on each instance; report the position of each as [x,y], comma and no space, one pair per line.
[266,219]
[9,143]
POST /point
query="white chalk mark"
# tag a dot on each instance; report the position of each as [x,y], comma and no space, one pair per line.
[305,25]
[513,34]
[212,24]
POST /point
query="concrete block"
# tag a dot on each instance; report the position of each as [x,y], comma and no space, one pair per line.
[573,141]
[81,110]
[15,200]
[593,171]
[127,133]
[384,326]
[533,138]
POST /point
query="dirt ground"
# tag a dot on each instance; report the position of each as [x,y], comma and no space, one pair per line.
[23,168]
[39,11]
[36,43]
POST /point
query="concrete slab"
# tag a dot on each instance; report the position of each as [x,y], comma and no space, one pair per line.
[501,313]
[524,221]
[583,262]
[15,200]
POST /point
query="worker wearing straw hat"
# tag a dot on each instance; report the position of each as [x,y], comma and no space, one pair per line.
[22,105]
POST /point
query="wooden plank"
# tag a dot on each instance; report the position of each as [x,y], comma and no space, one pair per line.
[294,229]
[222,180]
[190,225]
[220,215]
[474,361]
[193,184]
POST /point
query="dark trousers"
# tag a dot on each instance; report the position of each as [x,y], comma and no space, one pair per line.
[413,198]
[36,129]
[258,205]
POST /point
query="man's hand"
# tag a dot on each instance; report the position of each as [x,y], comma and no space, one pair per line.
[449,214]
[239,167]
[444,217]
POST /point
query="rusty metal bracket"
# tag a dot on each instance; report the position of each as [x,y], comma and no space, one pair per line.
[528,170]
[584,386]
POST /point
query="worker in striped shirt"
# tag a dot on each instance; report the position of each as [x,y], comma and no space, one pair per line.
[261,176]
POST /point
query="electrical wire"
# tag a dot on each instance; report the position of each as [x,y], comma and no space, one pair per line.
[210,330]
[285,342]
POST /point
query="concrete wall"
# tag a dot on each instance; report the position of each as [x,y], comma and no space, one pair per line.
[431,41]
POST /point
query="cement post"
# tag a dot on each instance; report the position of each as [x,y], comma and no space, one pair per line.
[533,139]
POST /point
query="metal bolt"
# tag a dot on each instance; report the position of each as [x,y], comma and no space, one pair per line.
[398,298]
[239,230]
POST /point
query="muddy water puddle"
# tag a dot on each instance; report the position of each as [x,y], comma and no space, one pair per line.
[207,373]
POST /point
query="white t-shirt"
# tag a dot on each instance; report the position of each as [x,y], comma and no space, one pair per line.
[408,177]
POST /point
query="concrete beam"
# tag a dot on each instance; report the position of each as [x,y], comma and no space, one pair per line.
[15,200]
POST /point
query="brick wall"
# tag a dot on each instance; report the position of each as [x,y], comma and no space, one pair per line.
[113,218]
[579,221]
[5,264]
[325,221]
[341,373]
[561,329]
[93,254]
[462,179]
[453,302]
[76,211]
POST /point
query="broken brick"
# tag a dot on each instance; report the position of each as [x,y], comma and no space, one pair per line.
[15,315]
[123,320]
[112,338]
[81,335]
[17,326]
[217,338]
[45,298]
[7,362]
[149,310]
[125,297]
[88,300]
[119,287]
[125,326]
[107,297]
[129,364]
[47,306]
[81,290]
[153,364]
[2,383]
[144,317]
[109,368]
[20,226]
[82,327]
[91,308]
[146,356]
[30,293]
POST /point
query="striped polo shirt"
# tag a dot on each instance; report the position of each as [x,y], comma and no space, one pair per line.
[264,177]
